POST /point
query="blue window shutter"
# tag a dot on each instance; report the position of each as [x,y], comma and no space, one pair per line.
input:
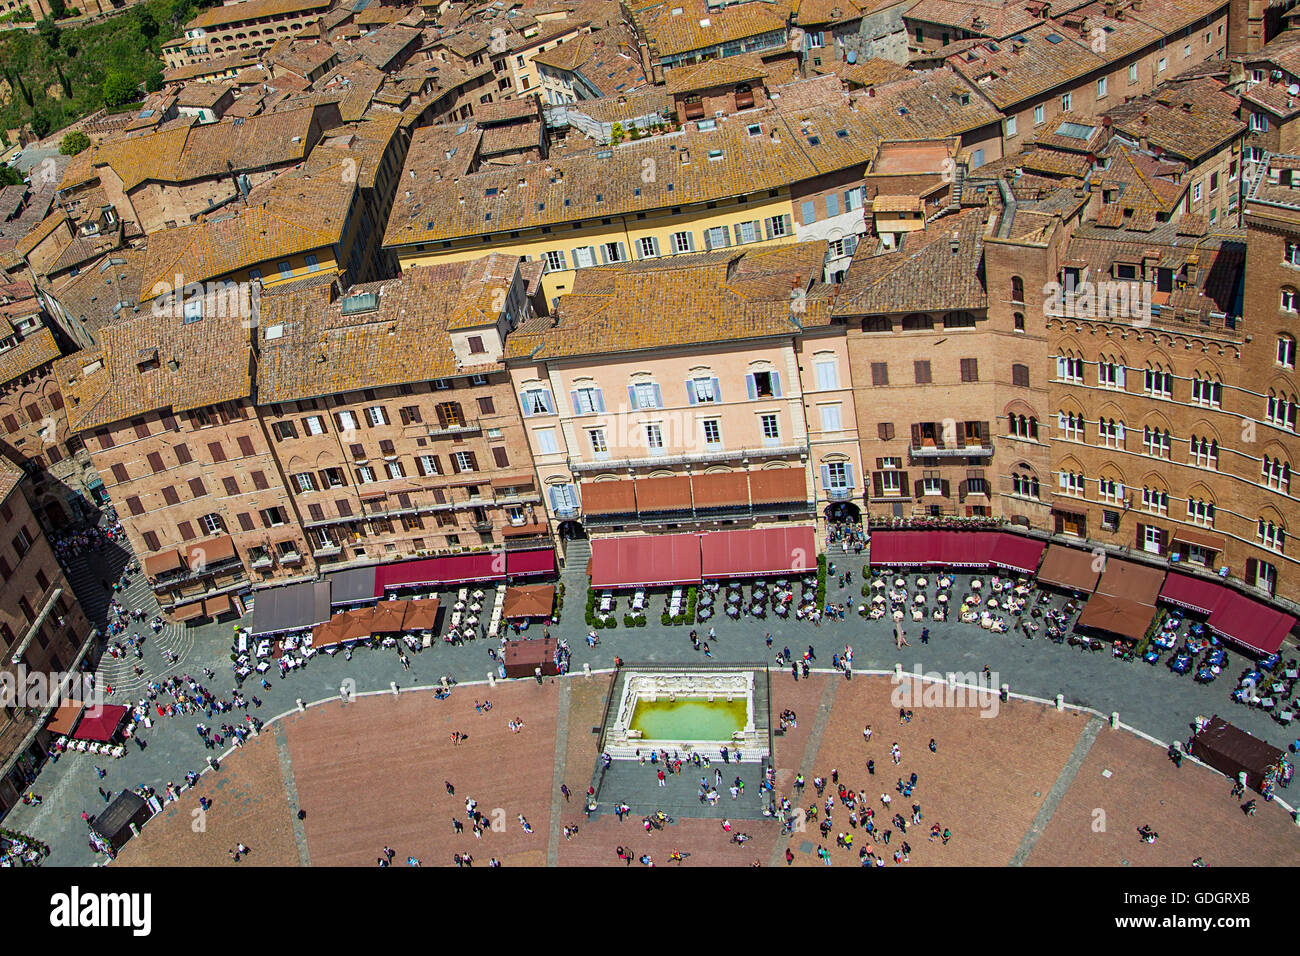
[776,384]
[577,496]
[622,252]
[631,395]
[809,212]
[717,390]
[848,471]
[549,401]
[690,392]
[659,397]
[750,387]
[600,400]
[603,258]
[826,477]
[832,204]
[525,405]
[577,409]
[551,493]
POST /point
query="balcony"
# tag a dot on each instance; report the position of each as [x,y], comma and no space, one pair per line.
[326,551]
[838,494]
[207,569]
[658,461]
[263,562]
[453,428]
[484,525]
[290,559]
[957,451]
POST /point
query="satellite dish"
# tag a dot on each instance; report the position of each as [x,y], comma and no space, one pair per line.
[853,56]
[1294,89]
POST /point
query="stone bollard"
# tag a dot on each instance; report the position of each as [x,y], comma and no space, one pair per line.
[1114,720]
[586,670]
[492,679]
[537,673]
[343,693]
[393,686]
[135,830]
[1060,702]
[301,706]
[898,670]
[1178,746]
[444,683]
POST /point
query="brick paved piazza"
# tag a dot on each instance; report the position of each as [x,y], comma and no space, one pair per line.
[372,773]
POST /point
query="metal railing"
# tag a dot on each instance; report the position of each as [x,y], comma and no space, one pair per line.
[649,461]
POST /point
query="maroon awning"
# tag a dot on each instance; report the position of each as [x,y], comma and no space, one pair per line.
[452,569]
[1193,593]
[100,723]
[758,551]
[520,563]
[896,549]
[1250,623]
[964,549]
[1017,553]
[653,560]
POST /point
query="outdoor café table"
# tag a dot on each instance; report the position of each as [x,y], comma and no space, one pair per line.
[733,598]
[476,607]
[458,606]
[942,599]
[263,666]
[1022,589]
[472,619]
[706,600]
[898,615]
[900,582]
[918,614]
[705,613]
[733,610]
[976,583]
[1286,716]
[878,583]
[1267,703]
[264,648]
[878,599]
[782,582]
[478,595]
[945,582]
[1151,657]
[993,602]
[243,671]
[919,599]
[921,582]
[810,582]
[1291,673]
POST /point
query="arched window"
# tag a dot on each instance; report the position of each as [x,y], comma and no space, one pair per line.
[1289,301]
[1200,512]
[1155,500]
[1272,535]
[1286,351]
[1277,474]
[1017,289]
[1281,409]
[1205,452]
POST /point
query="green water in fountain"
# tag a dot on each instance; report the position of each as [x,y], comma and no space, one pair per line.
[690,718]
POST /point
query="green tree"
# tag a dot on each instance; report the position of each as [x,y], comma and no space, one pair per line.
[119,88]
[41,124]
[154,81]
[58,9]
[10,176]
[146,24]
[50,33]
[73,143]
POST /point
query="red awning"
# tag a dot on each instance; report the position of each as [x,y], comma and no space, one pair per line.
[778,486]
[759,551]
[896,549]
[1250,623]
[608,497]
[964,549]
[1017,553]
[100,723]
[65,718]
[452,569]
[1193,593]
[1130,580]
[658,560]
[520,563]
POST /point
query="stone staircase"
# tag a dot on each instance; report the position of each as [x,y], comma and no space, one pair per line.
[577,552]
